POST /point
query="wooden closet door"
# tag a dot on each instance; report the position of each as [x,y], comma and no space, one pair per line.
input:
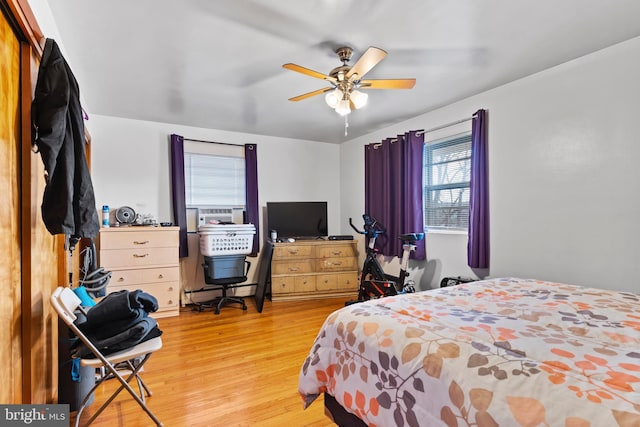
[10,247]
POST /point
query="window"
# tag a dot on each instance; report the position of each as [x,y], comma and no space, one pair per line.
[214,180]
[447,172]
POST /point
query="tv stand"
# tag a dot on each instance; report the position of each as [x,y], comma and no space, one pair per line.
[316,268]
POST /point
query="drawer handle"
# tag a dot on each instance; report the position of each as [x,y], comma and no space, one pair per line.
[170,288]
[336,263]
[170,302]
[120,279]
[140,256]
[160,276]
[293,251]
[135,242]
[293,269]
[337,253]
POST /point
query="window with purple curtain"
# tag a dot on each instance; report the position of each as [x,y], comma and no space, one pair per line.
[393,189]
[478,244]
[178,192]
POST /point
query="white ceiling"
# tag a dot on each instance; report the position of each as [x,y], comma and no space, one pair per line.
[218,63]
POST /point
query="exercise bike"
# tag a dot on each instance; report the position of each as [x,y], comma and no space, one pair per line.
[374,282]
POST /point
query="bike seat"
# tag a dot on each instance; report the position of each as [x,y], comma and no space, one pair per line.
[411,237]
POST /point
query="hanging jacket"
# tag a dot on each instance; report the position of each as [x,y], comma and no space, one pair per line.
[68,204]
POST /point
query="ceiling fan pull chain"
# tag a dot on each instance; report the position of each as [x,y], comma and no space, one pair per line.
[346,124]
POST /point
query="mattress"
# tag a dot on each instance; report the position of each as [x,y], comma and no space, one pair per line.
[513,352]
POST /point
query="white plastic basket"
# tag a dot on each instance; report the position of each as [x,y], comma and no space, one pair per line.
[234,239]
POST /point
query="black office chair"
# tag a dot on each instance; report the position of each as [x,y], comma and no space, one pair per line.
[215,273]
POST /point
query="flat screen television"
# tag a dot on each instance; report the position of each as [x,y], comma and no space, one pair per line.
[300,220]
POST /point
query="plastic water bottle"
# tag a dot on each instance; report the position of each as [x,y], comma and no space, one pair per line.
[105,216]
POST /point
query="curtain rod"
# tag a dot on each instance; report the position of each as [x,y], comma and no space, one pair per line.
[457,122]
[213,142]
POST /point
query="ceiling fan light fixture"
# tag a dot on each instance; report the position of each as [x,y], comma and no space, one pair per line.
[333,98]
[343,95]
[359,99]
[343,107]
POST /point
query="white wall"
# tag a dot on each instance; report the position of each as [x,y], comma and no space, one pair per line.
[131,167]
[563,156]
[42,12]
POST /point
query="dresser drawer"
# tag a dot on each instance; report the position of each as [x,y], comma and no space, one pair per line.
[347,281]
[327,282]
[125,278]
[293,267]
[304,284]
[336,251]
[335,264]
[139,257]
[162,274]
[167,294]
[282,285]
[147,275]
[154,238]
[292,252]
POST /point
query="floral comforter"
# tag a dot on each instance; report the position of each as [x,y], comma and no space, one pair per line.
[507,352]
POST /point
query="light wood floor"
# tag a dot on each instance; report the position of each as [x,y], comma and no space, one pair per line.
[238,368]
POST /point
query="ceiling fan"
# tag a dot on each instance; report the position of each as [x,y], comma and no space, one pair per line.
[345,80]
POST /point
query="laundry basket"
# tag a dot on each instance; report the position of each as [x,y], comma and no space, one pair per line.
[226,239]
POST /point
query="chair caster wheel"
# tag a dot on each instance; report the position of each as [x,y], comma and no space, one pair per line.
[244,307]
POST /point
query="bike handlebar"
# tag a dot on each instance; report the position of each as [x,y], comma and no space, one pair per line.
[372,228]
[354,227]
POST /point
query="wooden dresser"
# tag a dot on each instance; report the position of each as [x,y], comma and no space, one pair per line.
[143,258]
[314,269]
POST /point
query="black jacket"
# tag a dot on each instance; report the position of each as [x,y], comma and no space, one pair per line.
[119,321]
[68,205]
[119,306]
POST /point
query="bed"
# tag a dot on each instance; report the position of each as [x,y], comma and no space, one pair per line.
[509,352]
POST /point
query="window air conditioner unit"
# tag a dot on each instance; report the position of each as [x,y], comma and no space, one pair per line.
[220,214]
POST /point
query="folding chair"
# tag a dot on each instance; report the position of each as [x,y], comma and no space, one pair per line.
[65,302]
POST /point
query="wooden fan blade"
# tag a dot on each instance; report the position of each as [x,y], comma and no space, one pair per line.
[308,72]
[367,61]
[310,94]
[388,84]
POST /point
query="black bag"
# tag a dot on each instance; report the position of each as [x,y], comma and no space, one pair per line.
[452,281]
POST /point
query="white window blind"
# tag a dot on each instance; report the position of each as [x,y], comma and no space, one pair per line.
[212,180]
[447,173]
